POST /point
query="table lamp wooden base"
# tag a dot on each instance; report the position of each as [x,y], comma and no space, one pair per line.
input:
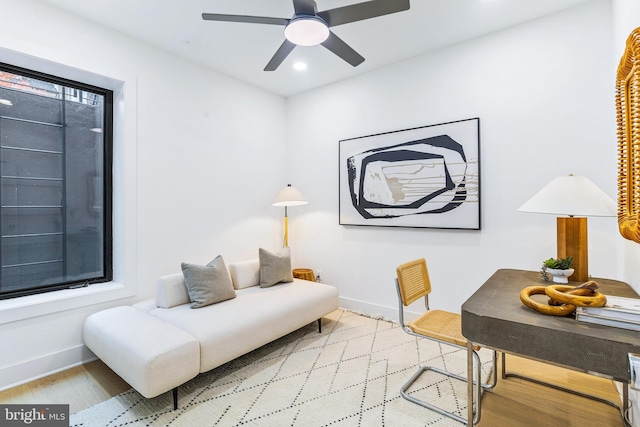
[572,241]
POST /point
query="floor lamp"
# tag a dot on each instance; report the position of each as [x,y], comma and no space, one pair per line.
[574,198]
[288,196]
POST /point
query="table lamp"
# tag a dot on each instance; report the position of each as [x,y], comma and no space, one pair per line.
[288,196]
[577,198]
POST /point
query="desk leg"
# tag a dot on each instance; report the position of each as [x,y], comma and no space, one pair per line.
[625,404]
[470,393]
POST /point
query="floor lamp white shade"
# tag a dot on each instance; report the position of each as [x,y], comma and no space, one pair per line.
[288,196]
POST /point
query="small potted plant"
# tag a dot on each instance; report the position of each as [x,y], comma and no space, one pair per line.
[559,268]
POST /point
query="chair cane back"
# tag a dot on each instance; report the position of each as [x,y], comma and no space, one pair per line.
[413,283]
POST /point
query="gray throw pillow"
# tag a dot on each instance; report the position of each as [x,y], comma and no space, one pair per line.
[208,284]
[275,267]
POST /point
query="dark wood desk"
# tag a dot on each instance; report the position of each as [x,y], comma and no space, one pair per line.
[495,317]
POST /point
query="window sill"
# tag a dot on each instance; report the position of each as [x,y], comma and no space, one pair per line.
[16,309]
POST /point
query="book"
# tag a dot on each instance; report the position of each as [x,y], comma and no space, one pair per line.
[622,308]
[608,321]
[619,312]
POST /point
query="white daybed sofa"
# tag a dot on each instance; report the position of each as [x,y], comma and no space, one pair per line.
[157,345]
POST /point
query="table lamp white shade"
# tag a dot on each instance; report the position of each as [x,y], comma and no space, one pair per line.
[577,198]
[288,196]
[571,196]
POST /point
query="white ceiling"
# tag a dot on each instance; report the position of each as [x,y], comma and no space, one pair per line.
[242,50]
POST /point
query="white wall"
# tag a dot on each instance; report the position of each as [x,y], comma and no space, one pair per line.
[544,94]
[203,156]
[210,154]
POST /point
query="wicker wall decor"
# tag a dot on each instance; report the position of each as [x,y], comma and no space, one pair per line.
[628,118]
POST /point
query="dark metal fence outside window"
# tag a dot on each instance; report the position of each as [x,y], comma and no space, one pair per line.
[55,183]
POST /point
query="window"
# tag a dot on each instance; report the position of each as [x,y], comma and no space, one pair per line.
[55,183]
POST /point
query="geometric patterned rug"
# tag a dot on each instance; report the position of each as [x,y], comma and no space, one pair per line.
[348,375]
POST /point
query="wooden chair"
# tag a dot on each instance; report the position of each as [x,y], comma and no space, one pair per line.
[412,283]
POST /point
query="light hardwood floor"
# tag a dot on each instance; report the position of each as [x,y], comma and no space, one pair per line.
[516,402]
[513,403]
[81,387]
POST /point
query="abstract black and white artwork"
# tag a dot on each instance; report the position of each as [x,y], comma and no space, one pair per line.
[421,177]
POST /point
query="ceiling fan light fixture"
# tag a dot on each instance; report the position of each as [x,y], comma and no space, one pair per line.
[306,31]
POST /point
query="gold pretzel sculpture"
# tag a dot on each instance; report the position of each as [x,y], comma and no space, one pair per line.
[563,299]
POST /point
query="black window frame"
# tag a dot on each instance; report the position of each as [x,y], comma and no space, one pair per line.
[107,223]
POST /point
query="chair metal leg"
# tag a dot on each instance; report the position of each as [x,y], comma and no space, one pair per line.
[475,387]
[494,372]
[421,402]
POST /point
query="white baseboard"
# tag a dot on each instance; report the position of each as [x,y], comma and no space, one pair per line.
[30,370]
[375,310]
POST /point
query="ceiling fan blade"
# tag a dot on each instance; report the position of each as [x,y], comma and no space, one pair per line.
[360,11]
[304,7]
[336,45]
[244,18]
[283,51]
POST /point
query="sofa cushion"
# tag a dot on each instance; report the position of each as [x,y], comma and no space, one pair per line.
[171,291]
[275,267]
[245,274]
[256,317]
[208,284]
[151,355]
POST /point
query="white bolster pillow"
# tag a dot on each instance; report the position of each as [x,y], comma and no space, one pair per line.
[245,274]
[171,291]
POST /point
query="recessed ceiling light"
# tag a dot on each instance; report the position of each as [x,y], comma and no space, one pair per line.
[6,102]
[300,66]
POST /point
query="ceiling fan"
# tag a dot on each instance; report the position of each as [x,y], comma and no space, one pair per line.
[308,27]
